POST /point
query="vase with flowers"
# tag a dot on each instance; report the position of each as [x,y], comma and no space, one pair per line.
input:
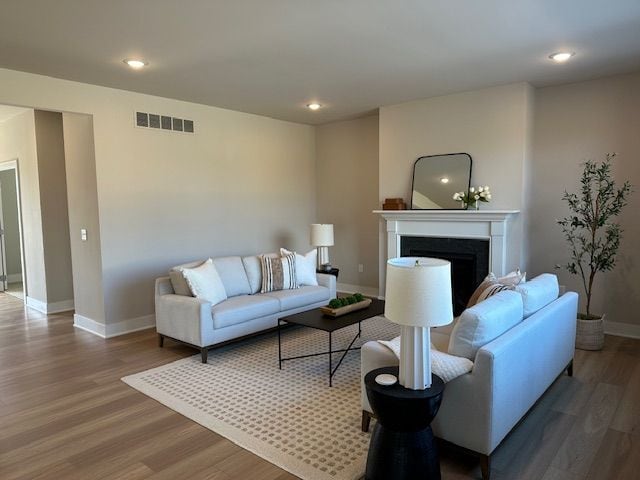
[473,197]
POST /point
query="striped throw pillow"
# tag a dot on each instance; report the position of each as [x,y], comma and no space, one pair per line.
[487,289]
[278,273]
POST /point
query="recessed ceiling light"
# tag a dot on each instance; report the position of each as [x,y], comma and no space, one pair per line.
[313,106]
[561,57]
[135,63]
[444,180]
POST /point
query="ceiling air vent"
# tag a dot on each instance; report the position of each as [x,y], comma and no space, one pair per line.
[164,122]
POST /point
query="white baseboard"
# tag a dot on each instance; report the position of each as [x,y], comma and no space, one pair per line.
[48,308]
[622,329]
[14,277]
[349,288]
[114,329]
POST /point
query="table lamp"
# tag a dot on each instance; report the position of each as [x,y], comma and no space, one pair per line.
[322,237]
[418,296]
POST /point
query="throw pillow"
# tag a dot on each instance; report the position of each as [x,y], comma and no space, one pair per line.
[205,283]
[278,273]
[444,365]
[513,278]
[485,322]
[485,290]
[305,266]
[178,282]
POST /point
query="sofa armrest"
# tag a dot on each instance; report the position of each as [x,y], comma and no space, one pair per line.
[373,355]
[184,318]
[329,281]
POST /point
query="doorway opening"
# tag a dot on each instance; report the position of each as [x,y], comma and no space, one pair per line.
[11,252]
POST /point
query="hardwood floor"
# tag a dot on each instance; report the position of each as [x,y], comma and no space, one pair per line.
[65,414]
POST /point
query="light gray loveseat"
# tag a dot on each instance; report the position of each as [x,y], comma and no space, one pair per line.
[196,322]
[510,373]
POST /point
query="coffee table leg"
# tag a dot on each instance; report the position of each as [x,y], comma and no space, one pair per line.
[330,366]
[279,348]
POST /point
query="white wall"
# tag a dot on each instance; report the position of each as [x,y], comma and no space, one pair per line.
[53,206]
[347,179]
[574,123]
[82,197]
[241,184]
[10,222]
[492,125]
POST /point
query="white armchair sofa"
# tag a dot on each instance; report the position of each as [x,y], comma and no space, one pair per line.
[509,375]
[200,324]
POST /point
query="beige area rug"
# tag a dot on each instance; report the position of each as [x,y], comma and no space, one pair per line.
[290,417]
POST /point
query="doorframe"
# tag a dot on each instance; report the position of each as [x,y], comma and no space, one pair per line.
[14,164]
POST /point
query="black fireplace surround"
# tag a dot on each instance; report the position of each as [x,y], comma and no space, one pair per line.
[469,259]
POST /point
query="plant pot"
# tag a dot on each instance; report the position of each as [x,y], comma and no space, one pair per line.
[590,333]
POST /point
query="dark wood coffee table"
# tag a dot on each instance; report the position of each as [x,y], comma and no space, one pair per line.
[318,320]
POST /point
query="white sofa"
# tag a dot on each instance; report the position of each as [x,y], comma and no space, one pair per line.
[509,375]
[196,322]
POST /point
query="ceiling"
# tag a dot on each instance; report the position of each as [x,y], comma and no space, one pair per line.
[272,57]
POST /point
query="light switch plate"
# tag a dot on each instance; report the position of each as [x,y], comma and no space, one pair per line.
[83,234]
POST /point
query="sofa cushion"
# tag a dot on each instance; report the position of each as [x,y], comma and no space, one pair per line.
[179,284]
[305,266]
[278,273]
[300,297]
[234,278]
[484,322]
[538,292]
[242,308]
[204,282]
[253,270]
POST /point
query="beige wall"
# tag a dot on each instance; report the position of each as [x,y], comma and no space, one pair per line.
[18,141]
[241,184]
[82,196]
[574,123]
[10,222]
[53,206]
[347,179]
[492,125]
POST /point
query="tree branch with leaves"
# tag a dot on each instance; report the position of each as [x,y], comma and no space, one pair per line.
[592,237]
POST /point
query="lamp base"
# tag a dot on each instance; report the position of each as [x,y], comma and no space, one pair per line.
[415,358]
[323,256]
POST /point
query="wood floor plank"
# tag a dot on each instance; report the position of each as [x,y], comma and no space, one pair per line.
[618,457]
[65,414]
[581,445]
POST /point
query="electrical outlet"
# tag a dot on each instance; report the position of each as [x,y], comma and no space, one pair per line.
[360,268]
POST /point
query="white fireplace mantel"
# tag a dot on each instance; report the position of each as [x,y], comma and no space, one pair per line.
[493,225]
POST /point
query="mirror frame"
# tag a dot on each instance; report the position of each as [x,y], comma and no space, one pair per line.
[439,155]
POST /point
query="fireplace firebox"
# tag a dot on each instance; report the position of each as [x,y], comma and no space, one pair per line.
[469,259]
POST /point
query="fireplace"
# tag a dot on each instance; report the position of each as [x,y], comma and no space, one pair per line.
[469,259]
[499,233]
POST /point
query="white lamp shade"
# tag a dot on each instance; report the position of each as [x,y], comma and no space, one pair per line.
[418,292]
[322,235]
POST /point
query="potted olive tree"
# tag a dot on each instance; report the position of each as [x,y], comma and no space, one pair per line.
[593,239]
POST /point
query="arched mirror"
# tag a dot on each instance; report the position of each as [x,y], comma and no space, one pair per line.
[436,178]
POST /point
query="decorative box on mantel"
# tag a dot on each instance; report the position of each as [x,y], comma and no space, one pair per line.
[499,232]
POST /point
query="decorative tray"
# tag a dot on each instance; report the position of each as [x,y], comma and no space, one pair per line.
[336,312]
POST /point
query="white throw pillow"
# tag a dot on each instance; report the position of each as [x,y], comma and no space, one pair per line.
[205,283]
[178,282]
[512,278]
[538,293]
[305,266]
[446,366]
[484,322]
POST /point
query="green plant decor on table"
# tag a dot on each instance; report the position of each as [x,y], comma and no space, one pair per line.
[592,237]
[344,301]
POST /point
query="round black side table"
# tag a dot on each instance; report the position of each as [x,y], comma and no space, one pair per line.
[402,444]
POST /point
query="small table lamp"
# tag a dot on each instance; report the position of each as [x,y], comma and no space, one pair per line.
[418,296]
[322,237]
